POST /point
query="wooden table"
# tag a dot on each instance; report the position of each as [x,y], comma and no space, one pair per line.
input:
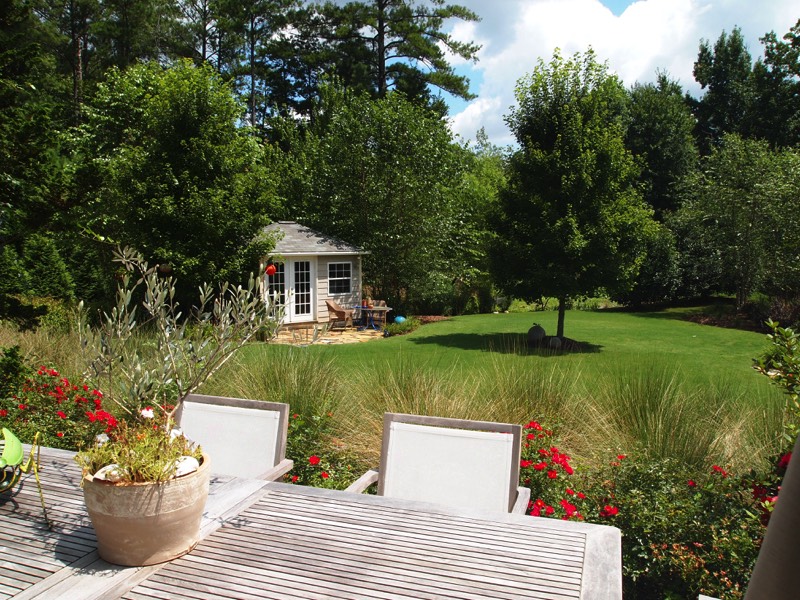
[289,542]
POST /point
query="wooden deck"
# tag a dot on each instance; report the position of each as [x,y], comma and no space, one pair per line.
[280,541]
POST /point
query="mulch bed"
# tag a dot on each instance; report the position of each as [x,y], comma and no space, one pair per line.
[425,319]
[732,321]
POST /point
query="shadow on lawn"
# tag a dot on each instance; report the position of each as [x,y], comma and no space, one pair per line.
[504,343]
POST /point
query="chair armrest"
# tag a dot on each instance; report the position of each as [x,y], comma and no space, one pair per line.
[363,482]
[278,470]
[523,497]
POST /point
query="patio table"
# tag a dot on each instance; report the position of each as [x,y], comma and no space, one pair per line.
[280,541]
[369,315]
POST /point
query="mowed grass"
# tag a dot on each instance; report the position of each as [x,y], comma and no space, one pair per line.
[642,382]
[701,353]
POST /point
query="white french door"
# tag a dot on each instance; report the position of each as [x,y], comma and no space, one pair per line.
[301,291]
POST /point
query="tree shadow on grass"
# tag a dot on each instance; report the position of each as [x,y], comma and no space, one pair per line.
[505,343]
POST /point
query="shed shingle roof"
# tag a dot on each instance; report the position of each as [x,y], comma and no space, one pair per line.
[299,239]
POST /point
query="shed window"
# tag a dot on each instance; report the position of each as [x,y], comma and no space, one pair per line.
[339,278]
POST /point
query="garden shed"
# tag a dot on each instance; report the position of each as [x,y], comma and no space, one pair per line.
[310,268]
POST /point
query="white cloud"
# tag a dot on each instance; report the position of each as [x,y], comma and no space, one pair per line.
[649,35]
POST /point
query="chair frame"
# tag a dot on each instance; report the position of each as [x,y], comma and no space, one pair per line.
[518,496]
[282,465]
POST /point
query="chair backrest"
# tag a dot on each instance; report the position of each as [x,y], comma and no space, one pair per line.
[333,307]
[450,461]
[243,438]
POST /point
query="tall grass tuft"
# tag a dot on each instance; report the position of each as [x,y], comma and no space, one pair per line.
[42,346]
[306,381]
[403,387]
[655,413]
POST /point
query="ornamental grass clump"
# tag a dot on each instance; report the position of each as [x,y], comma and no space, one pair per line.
[150,356]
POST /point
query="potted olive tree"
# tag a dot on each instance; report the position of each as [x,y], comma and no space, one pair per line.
[145,484]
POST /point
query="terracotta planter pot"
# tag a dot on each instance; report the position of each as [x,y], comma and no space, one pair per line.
[147,523]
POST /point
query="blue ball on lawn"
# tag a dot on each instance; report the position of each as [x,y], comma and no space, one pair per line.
[399,319]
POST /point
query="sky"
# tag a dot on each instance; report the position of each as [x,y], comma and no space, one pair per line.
[635,38]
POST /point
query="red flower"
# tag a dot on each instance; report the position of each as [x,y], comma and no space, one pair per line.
[784,460]
[295,478]
[608,511]
[22,406]
[552,474]
[59,434]
[533,425]
[691,483]
[3,412]
[570,492]
[324,475]
[548,510]
[313,459]
[621,456]
[719,470]
[525,463]
[581,495]
[62,414]
[531,436]
[540,466]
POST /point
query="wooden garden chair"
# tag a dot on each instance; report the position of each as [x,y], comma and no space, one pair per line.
[243,438]
[459,463]
[13,465]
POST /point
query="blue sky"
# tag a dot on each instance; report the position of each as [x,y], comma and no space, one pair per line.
[636,38]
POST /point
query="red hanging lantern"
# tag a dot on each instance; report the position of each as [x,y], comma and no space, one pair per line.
[270,270]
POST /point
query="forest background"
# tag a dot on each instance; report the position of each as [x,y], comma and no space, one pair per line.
[181,128]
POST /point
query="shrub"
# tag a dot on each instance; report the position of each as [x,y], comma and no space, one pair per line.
[407,326]
[13,371]
[319,460]
[67,414]
[683,533]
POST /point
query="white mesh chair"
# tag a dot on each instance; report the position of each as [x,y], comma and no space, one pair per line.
[473,464]
[243,438]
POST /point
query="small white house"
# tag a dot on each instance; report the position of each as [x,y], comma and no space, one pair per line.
[311,267]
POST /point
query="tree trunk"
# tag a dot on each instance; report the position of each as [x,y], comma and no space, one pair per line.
[562,308]
[381,50]
[252,72]
[77,62]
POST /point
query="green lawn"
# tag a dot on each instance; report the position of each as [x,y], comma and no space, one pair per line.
[700,353]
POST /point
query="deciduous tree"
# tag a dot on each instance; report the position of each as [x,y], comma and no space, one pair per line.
[572,221]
